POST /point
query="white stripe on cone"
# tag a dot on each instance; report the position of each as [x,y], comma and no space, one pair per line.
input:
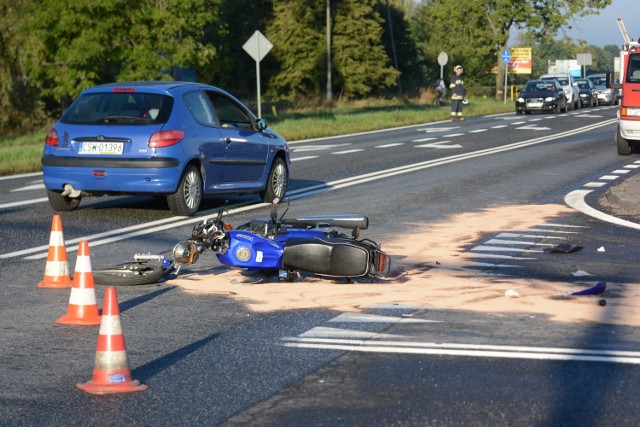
[83,296]
[110,325]
[83,264]
[56,268]
[56,238]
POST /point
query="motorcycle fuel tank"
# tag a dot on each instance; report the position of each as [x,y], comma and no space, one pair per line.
[251,252]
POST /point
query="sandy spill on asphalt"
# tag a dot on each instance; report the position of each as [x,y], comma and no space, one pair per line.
[430,265]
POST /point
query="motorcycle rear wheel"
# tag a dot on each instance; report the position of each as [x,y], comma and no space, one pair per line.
[129,274]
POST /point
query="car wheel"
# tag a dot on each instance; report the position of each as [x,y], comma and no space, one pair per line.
[519,112]
[277,182]
[624,147]
[62,203]
[186,200]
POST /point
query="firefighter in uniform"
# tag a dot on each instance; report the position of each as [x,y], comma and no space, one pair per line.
[457,93]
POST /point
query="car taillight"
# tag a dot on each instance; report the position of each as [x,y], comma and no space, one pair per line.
[52,138]
[165,138]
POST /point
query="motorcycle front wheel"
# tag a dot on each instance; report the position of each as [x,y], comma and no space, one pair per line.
[129,274]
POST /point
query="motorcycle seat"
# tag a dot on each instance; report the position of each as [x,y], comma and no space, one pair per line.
[336,257]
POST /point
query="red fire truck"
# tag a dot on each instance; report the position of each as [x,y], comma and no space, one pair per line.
[628,133]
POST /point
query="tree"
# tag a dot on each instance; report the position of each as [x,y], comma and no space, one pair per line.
[360,62]
[19,101]
[75,44]
[486,24]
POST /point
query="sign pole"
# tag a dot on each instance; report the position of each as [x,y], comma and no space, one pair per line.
[506,56]
[257,47]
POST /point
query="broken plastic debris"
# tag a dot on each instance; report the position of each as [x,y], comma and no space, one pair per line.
[512,294]
[580,273]
[563,248]
[594,290]
[601,249]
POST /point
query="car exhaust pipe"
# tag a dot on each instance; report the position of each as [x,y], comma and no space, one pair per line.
[69,191]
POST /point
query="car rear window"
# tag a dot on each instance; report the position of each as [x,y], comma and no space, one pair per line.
[118,108]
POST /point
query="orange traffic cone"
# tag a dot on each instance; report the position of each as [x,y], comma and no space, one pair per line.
[82,308]
[111,372]
[56,270]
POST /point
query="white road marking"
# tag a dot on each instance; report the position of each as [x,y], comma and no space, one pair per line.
[444,129]
[452,135]
[514,242]
[621,171]
[495,256]
[595,184]
[533,236]
[478,130]
[482,248]
[575,199]
[424,139]
[36,186]
[355,150]
[466,350]
[318,147]
[323,332]
[609,177]
[297,159]
[24,202]
[390,145]
[499,126]
[439,145]
[374,318]
[484,264]
[533,127]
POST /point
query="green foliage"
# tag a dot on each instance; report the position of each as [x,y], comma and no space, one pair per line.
[298,33]
[359,56]
[359,60]
[474,32]
[76,44]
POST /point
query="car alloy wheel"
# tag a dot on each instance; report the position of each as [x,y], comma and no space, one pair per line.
[186,200]
[277,184]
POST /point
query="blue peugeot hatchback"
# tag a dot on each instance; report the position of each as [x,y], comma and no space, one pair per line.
[176,139]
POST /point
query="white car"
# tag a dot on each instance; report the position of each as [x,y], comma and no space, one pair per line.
[570,88]
[605,95]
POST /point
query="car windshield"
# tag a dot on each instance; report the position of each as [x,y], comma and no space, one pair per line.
[538,86]
[563,82]
[117,108]
[583,85]
[598,81]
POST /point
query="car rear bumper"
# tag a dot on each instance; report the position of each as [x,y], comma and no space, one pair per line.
[158,175]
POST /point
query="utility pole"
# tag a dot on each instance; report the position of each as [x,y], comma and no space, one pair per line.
[329,89]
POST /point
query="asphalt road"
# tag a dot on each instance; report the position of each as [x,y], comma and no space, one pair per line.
[208,360]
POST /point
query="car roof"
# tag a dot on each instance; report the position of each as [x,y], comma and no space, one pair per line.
[540,81]
[157,86]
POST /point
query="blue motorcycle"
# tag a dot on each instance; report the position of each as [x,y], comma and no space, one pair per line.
[325,245]
[311,244]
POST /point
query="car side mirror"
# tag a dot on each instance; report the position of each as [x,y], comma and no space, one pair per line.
[610,84]
[261,124]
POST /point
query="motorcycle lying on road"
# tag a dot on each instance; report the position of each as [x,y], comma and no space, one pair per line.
[317,245]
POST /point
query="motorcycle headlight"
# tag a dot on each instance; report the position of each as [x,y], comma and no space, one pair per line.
[183,253]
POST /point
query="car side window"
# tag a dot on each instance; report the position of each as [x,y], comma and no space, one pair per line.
[229,114]
[200,107]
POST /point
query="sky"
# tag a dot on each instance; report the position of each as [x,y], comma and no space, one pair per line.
[602,29]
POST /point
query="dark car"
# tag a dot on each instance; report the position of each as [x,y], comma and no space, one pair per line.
[179,140]
[588,93]
[541,95]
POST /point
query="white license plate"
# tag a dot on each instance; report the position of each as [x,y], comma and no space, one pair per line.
[534,104]
[108,148]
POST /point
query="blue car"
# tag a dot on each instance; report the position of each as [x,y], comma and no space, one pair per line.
[180,140]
